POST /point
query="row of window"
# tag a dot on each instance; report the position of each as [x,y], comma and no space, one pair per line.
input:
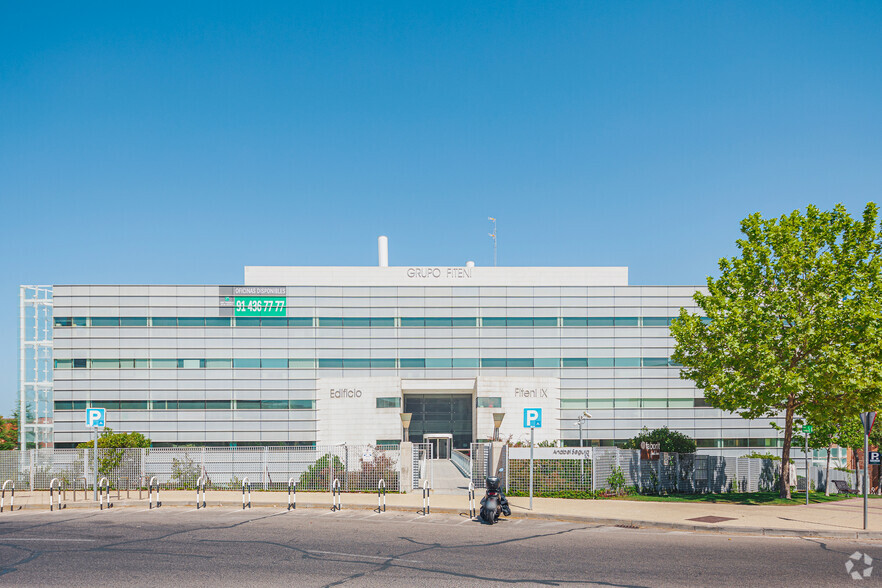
[181,321]
[609,403]
[374,363]
[186,404]
[383,402]
[758,442]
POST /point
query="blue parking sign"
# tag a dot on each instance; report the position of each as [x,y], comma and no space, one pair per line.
[533,418]
[95,417]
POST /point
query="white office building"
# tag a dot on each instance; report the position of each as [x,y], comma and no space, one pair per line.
[318,355]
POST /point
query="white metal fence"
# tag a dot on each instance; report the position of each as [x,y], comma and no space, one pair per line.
[357,467]
[609,468]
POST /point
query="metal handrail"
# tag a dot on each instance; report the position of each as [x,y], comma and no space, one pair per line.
[336,497]
[472,511]
[150,485]
[106,484]
[200,483]
[52,484]
[381,496]
[3,495]
[292,498]
[244,482]
[426,494]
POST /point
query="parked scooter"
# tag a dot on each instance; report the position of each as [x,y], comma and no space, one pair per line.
[494,502]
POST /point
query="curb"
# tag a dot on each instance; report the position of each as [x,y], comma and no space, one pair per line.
[600,521]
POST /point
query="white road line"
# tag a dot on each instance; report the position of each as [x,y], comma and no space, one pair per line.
[363,556]
[2,539]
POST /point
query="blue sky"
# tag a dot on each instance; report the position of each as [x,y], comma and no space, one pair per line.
[178,142]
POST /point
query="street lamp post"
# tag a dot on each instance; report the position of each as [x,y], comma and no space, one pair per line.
[582,417]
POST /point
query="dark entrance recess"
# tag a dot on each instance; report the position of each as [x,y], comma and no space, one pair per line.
[440,413]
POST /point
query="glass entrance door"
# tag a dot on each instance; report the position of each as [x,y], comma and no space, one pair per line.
[440,446]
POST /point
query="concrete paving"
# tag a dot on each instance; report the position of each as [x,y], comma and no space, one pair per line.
[447,479]
[225,546]
[836,519]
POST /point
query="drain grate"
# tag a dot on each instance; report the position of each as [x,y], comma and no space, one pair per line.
[627,527]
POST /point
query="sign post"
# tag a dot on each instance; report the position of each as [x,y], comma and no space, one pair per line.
[95,420]
[867,420]
[807,429]
[532,419]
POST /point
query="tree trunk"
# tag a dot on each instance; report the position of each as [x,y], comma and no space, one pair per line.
[827,475]
[785,451]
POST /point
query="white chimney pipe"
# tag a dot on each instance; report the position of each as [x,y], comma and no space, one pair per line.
[470,264]
[383,250]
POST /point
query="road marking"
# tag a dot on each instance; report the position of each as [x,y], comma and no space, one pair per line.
[2,539]
[364,556]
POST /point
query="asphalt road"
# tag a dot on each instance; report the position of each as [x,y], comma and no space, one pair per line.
[311,547]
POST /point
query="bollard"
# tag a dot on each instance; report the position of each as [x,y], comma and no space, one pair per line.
[150,485]
[103,482]
[381,496]
[200,482]
[51,486]
[244,482]
[119,487]
[3,495]
[426,492]
[472,500]
[292,498]
[85,488]
[336,497]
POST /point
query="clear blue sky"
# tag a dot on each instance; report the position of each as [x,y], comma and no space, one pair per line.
[178,142]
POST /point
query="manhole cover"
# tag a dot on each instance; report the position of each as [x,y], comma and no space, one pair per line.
[711,519]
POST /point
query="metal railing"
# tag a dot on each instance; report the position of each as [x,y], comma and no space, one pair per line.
[3,495]
[614,470]
[245,483]
[57,485]
[359,467]
[381,496]
[462,461]
[336,497]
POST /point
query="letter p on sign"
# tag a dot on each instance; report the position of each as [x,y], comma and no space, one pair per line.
[94,417]
[532,418]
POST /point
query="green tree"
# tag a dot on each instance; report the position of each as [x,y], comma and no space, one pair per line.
[669,441]
[110,440]
[793,322]
[114,445]
[8,433]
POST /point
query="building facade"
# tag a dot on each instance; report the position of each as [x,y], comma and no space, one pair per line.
[305,355]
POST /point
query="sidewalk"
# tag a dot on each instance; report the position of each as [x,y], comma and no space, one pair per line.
[843,519]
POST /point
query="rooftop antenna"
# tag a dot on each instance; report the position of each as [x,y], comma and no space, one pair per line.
[493,234]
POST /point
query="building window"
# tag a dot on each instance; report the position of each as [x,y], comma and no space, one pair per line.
[159,321]
[217,321]
[133,321]
[105,321]
[390,402]
[407,362]
[656,321]
[388,443]
[488,402]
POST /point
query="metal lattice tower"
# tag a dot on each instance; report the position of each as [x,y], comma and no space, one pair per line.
[35,371]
